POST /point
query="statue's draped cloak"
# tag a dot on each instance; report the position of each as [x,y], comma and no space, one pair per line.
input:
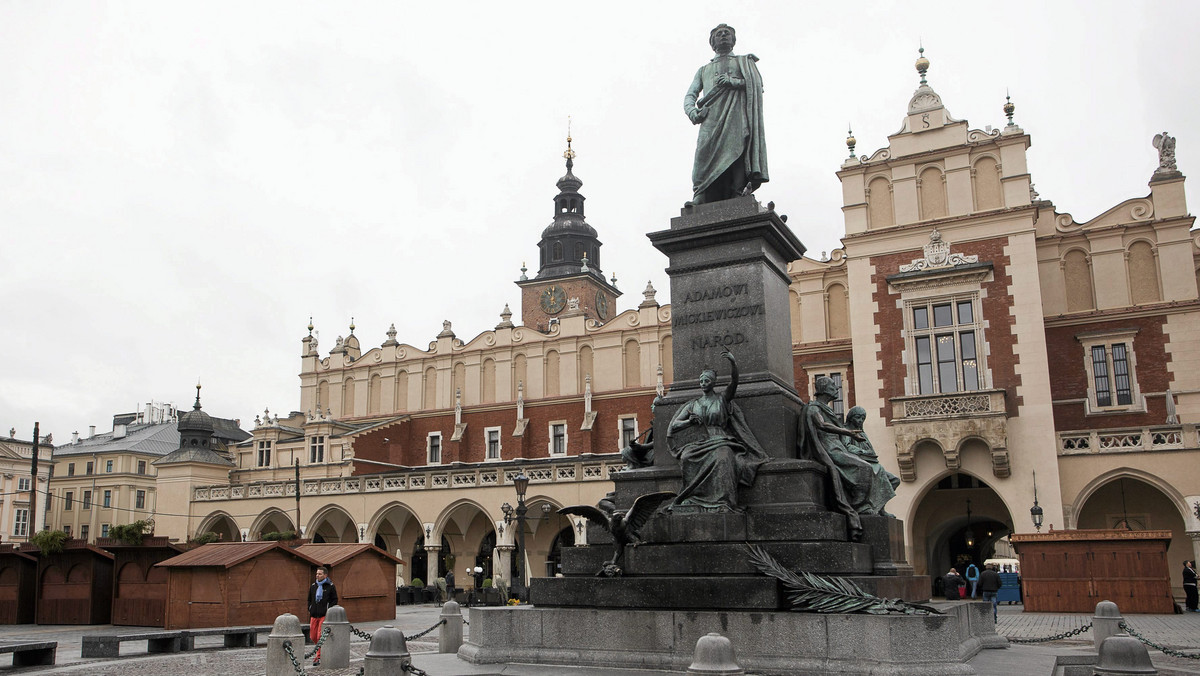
[828,448]
[732,131]
[713,467]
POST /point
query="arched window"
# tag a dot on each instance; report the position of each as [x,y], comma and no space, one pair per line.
[879,203]
[558,251]
[430,399]
[585,367]
[1143,274]
[519,375]
[348,397]
[933,194]
[837,312]
[488,386]
[1077,273]
[580,250]
[633,363]
[460,380]
[986,178]
[374,393]
[323,403]
[402,391]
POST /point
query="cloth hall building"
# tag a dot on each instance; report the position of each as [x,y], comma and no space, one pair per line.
[999,346]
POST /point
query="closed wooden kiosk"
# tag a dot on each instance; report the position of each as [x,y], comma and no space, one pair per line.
[365,577]
[75,586]
[18,585]
[233,584]
[139,587]
[1070,571]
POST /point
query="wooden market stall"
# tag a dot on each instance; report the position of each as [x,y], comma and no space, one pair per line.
[1070,571]
[231,584]
[365,577]
[75,586]
[18,585]
[139,587]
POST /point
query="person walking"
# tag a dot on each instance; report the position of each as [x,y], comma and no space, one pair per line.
[1189,585]
[973,578]
[989,585]
[952,581]
[321,595]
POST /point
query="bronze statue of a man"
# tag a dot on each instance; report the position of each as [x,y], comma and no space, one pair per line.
[731,151]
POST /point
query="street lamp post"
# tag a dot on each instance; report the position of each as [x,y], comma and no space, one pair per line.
[1035,512]
[521,483]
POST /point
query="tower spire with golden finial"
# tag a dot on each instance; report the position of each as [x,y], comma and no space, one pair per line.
[569,153]
[922,63]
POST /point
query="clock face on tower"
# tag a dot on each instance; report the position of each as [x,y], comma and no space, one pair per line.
[601,305]
[554,299]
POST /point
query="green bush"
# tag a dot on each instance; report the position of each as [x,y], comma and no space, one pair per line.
[487,583]
[50,541]
[131,533]
[204,538]
[280,535]
[417,582]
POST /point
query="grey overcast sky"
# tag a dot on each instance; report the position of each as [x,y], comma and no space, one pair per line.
[183,184]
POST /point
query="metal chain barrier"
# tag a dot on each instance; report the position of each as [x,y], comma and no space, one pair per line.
[465,621]
[1161,648]
[1057,637]
[359,633]
[321,642]
[415,671]
[417,636]
[287,648]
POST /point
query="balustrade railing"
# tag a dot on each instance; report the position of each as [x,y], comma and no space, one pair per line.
[416,479]
[1127,440]
[952,405]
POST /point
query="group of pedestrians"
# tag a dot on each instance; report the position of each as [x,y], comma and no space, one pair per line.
[987,583]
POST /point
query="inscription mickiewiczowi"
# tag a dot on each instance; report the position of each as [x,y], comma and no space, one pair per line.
[733,304]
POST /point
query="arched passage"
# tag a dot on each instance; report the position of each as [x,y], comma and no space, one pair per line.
[543,527]
[395,528]
[1127,499]
[464,526]
[270,521]
[223,525]
[943,534]
[331,524]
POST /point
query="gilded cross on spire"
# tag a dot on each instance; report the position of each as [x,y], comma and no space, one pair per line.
[569,154]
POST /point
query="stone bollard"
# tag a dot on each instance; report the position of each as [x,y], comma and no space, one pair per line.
[714,657]
[287,628]
[450,638]
[1106,622]
[1123,655]
[388,654]
[335,654]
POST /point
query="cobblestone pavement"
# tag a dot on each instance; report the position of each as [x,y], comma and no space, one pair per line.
[1180,632]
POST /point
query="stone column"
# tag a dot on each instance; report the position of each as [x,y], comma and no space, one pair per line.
[504,568]
[431,563]
[287,628]
[335,654]
[1195,536]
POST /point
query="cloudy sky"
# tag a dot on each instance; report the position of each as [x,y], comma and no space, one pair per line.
[182,185]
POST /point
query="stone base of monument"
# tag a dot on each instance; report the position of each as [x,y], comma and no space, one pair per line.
[783,643]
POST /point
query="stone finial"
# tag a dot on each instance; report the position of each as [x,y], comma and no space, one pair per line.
[446,331]
[352,326]
[310,326]
[922,64]
[1033,194]
[391,336]
[714,656]
[613,280]
[584,266]
[851,142]
[505,318]
[524,277]
[1165,143]
[1009,109]
[648,296]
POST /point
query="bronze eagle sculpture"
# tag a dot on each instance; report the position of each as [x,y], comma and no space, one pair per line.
[623,524]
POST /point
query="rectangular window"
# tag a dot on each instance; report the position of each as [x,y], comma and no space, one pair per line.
[70,469]
[558,438]
[316,449]
[108,466]
[1110,365]
[838,405]
[67,529]
[89,468]
[83,532]
[108,498]
[21,523]
[264,453]
[23,483]
[493,442]
[141,466]
[103,530]
[628,431]
[945,352]
[87,500]
[69,500]
[140,500]
[433,448]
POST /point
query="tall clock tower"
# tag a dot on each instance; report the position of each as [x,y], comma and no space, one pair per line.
[569,281]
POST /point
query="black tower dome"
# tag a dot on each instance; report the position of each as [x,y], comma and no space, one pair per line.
[569,239]
[195,426]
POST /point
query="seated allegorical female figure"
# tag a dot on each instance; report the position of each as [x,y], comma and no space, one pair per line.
[716,449]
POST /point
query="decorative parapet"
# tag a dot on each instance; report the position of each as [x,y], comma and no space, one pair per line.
[1127,440]
[949,420]
[580,469]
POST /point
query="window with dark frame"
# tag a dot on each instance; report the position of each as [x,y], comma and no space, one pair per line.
[140,501]
[264,453]
[945,336]
[628,431]
[69,501]
[435,448]
[493,444]
[558,439]
[316,449]
[87,500]
[1111,375]
[108,498]
[84,531]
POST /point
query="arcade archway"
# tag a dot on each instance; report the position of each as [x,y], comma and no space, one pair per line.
[223,525]
[944,536]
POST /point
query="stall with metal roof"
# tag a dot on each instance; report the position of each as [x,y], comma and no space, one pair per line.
[365,577]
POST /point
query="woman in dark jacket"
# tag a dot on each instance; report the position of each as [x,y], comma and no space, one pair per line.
[953,582]
[321,595]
